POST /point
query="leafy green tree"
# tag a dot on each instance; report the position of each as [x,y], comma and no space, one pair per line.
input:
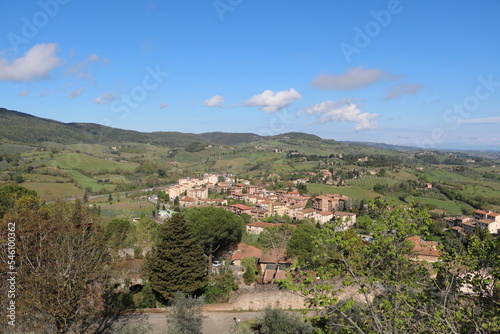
[250,274]
[120,233]
[148,299]
[301,245]
[9,194]
[176,262]
[85,197]
[220,286]
[398,294]
[277,321]
[215,229]
[384,269]
[246,218]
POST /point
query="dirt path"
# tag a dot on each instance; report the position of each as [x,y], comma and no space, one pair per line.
[213,322]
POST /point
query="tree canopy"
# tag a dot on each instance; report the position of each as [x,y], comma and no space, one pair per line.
[395,292]
[177,262]
[62,264]
[215,229]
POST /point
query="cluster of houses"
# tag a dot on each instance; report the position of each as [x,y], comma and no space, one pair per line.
[486,220]
[260,202]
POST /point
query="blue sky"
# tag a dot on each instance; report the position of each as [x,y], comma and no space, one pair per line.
[419,73]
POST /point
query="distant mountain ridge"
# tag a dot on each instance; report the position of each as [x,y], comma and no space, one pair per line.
[28,129]
[23,128]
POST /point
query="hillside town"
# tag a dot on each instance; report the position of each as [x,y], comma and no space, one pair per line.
[260,203]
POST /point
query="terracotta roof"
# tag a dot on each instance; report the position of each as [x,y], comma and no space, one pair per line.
[245,251]
[325,213]
[424,248]
[242,207]
[321,197]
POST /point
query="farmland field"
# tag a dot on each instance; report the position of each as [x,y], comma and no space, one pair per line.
[53,191]
[86,181]
[356,193]
[449,206]
[88,163]
[369,181]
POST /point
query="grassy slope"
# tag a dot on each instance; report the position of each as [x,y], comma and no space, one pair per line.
[353,192]
[88,163]
[53,191]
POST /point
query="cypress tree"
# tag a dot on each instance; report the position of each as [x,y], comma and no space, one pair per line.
[177,261]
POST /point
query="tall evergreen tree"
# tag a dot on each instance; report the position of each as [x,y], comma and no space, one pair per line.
[215,229]
[177,262]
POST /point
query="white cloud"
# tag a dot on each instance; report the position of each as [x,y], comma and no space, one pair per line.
[23,93]
[400,90]
[353,78]
[163,105]
[486,120]
[215,101]
[343,110]
[105,98]
[272,102]
[36,64]
[79,69]
[74,94]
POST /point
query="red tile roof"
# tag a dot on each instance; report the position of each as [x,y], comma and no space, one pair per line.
[244,251]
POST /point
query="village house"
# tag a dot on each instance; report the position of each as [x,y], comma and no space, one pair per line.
[278,208]
[263,205]
[238,209]
[293,210]
[274,265]
[344,220]
[223,186]
[211,178]
[306,214]
[424,250]
[259,214]
[329,202]
[481,214]
[244,251]
[188,202]
[292,198]
[487,220]
[197,192]
[238,195]
[323,217]
[212,202]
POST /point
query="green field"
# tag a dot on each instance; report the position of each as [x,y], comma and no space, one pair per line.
[53,191]
[85,181]
[356,193]
[369,181]
[449,206]
[404,175]
[88,163]
[126,209]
